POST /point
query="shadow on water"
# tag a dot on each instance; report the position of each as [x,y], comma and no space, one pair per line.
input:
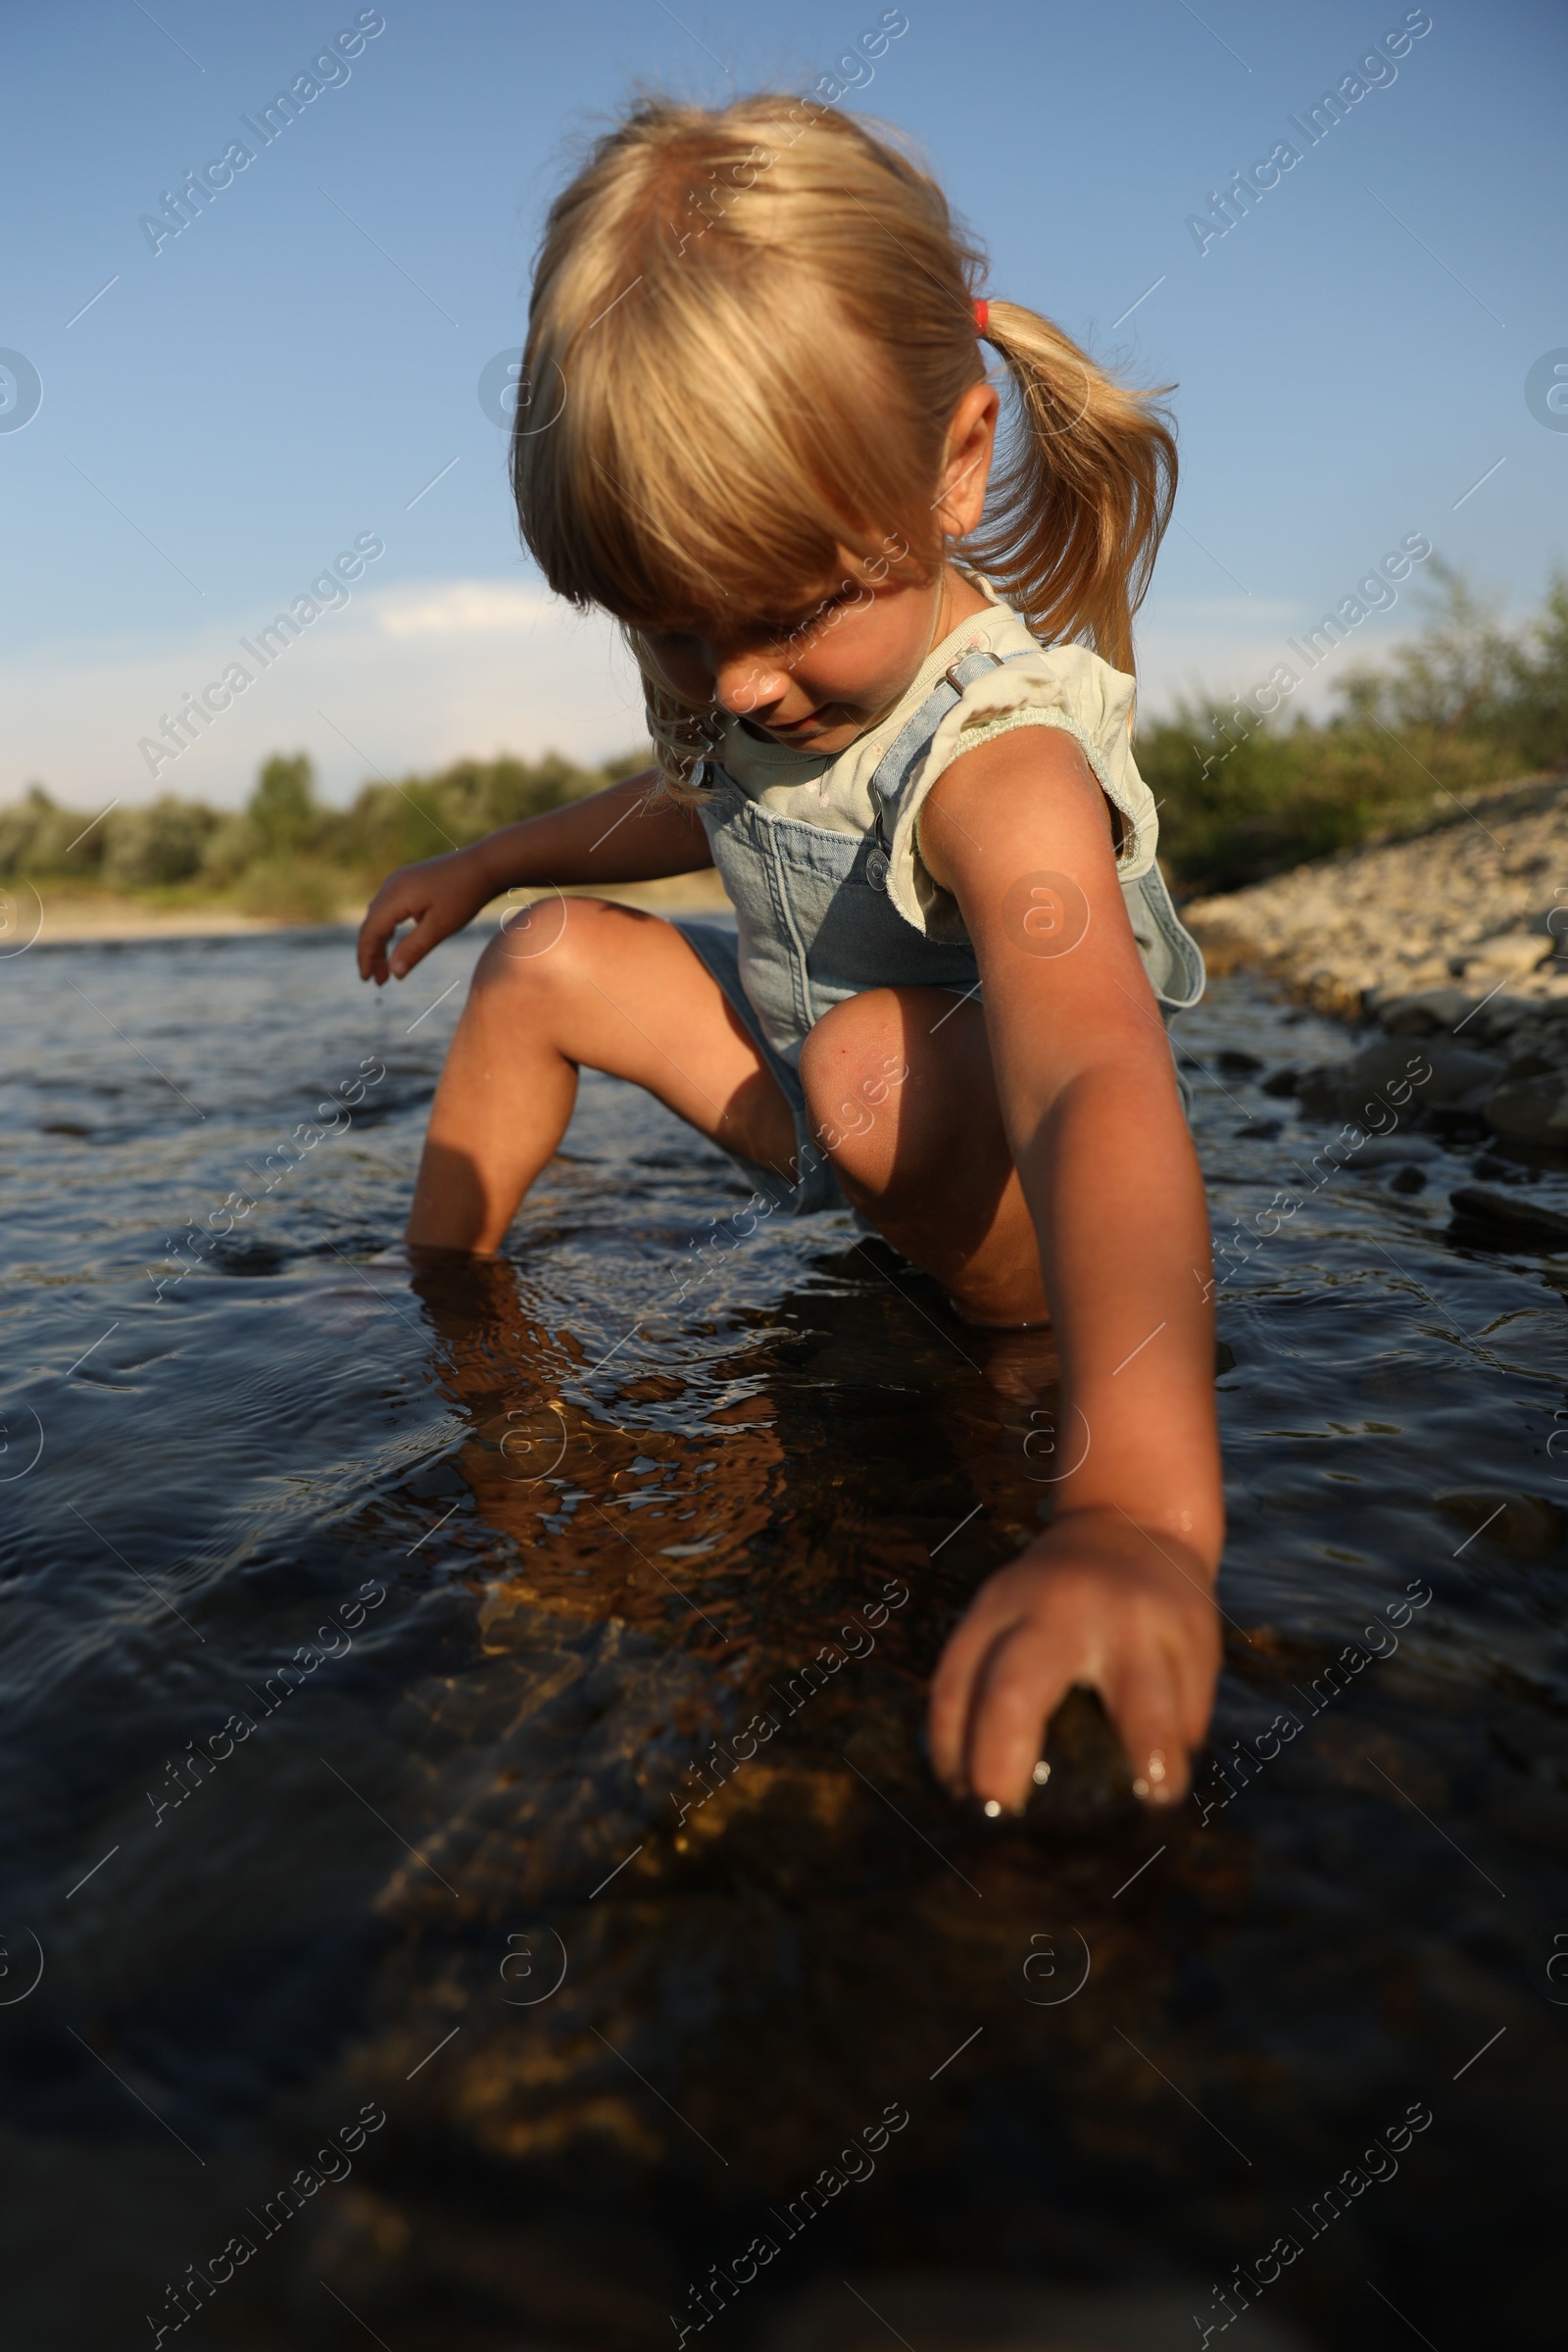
[464,1776]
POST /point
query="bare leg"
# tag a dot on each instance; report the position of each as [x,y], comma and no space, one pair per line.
[926,1156]
[584,982]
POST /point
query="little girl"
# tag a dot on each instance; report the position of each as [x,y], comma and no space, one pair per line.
[759,430]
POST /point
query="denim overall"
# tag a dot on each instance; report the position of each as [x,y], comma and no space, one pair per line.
[813,925]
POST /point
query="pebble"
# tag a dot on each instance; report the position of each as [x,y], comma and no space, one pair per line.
[1392,1152]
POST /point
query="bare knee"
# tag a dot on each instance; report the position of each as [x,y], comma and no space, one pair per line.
[549,945]
[851,1068]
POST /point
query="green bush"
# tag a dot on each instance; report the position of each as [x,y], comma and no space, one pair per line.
[287,855]
[1537,679]
[232,847]
[1464,705]
[393,825]
[159,844]
[282,808]
[294,890]
[36,837]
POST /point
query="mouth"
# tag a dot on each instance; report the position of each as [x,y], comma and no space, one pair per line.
[814,721]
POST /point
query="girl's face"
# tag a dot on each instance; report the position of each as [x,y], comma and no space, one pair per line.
[816,678]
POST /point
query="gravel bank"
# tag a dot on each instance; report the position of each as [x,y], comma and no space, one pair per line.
[1454,938]
[1468,900]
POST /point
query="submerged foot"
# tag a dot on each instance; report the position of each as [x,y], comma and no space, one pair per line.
[1017,1359]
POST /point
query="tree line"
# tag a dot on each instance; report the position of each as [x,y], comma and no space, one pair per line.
[286,853]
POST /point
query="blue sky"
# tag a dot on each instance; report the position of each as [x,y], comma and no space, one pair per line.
[294,369]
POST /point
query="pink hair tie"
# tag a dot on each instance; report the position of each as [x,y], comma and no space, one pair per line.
[982,313]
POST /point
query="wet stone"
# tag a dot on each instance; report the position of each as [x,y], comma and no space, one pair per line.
[1504,1221]
[1532,1109]
[1527,1526]
[1425,1014]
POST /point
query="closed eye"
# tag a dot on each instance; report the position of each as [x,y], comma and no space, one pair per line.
[773,630]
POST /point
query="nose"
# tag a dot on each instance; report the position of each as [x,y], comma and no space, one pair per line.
[743,685]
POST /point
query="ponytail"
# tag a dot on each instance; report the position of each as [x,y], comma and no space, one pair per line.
[1081,492]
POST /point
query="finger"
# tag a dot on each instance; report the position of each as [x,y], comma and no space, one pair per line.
[1146,1706]
[1023,1680]
[1197,1674]
[413,946]
[382,920]
[952,1686]
[1195,1652]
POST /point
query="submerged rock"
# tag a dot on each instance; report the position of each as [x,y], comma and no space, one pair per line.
[1390,1073]
[1504,1221]
[1527,1526]
[1530,1109]
[932,2312]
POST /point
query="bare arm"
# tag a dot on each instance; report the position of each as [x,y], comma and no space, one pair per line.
[1118,1593]
[629,833]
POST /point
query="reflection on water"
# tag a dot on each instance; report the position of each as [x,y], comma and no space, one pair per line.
[465,1787]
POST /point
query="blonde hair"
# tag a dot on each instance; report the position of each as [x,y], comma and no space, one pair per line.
[749,331]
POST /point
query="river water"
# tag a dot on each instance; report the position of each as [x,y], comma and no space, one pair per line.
[382,1815]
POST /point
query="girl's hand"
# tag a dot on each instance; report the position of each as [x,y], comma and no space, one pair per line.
[439,893]
[1097,1600]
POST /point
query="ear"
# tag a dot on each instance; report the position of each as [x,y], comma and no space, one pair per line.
[966,468]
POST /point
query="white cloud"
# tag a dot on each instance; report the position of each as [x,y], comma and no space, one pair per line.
[401,679]
[465,607]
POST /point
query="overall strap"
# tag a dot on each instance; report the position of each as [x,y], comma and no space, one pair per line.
[911,744]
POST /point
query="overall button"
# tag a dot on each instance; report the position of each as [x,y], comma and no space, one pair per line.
[876,871]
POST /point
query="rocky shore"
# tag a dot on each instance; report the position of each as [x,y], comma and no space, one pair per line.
[1453,941]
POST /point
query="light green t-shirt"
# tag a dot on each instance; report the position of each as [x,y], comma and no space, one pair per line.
[1059,686]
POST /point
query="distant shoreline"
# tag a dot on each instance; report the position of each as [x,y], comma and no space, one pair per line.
[45,918]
